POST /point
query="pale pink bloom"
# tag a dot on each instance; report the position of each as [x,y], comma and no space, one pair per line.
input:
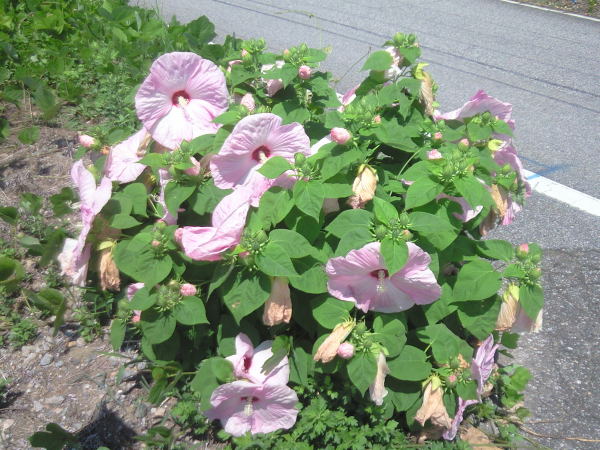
[273,86]
[524,248]
[340,135]
[377,119]
[242,406]
[252,142]
[93,198]
[86,140]
[348,98]
[377,390]
[244,53]
[345,350]
[329,347]
[508,155]
[137,316]
[232,63]
[394,71]
[178,235]
[480,103]
[228,220]
[450,433]
[132,289]
[304,72]
[180,98]
[195,170]
[524,324]
[465,142]
[163,179]
[248,363]
[71,266]
[361,277]
[452,378]
[468,212]
[437,136]
[248,102]
[434,154]
[483,362]
[331,205]
[187,290]
[122,162]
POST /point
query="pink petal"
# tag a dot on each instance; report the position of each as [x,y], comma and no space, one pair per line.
[229,408]
[85,183]
[280,375]
[479,103]
[203,243]
[122,162]
[287,140]
[277,411]
[74,262]
[468,213]
[243,349]
[102,195]
[391,299]
[132,289]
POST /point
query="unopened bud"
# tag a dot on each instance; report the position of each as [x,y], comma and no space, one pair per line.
[155,243]
[407,235]
[345,350]
[160,224]
[463,144]
[535,274]
[403,219]
[451,379]
[245,53]
[434,154]
[377,119]
[137,316]
[304,72]
[193,171]
[86,140]
[178,235]
[187,290]
[522,251]
[286,52]
[261,237]
[299,158]
[340,135]
[248,102]
[438,136]
[381,232]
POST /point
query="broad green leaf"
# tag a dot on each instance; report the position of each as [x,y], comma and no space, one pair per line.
[403,394]
[391,332]
[308,197]
[437,230]
[473,191]
[211,373]
[349,220]
[29,135]
[123,221]
[444,343]
[156,326]
[274,167]
[245,293]
[301,365]
[442,307]
[312,278]
[136,192]
[329,311]
[117,333]
[362,369]
[410,365]
[274,205]
[143,299]
[206,198]
[239,74]
[295,245]
[274,261]
[353,239]
[467,390]
[379,61]
[137,258]
[480,317]
[384,211]
[496,249]
[280,349]
[531,298]
[190,311]
[9,214]
[291,111]
[422,191]
[176,194]
[477,280]
[395,254]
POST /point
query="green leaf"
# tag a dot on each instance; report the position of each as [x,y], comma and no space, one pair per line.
[274,167]
[441,308]
[312,278]
[157,326]
[353,239]
[207,197]
[410,365]
[274,205]
[123,221]
[274,261]
[422,191]
[514,271]
[477,132]
[301,365]
[396,136]
[496,249]
[531,298]
[280,349]
[190,311]
[444,343]
[244,293]
[395,254]
[501,127]
[45,100]
[137,258]
[176,194]
[9,214]
[143,299]
[329,311]
[210,374]
[239,74]
[294,244]
[11,273]
[473,191]
[479,318]
[391,332]
[380,60]
[136,192]
[403,394]
[291,111]
[117,333]
[54,438]
[384,211]
[476,280]
[362,369]
[54,243]
[29,135]
[349,220]
[467,390]
[438,231]
[308,197]
[60,202]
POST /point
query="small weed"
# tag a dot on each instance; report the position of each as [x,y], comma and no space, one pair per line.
[23,332]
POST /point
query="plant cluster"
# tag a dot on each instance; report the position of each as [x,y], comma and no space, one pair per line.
[291,256]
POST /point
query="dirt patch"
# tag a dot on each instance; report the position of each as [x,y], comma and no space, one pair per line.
[583,7]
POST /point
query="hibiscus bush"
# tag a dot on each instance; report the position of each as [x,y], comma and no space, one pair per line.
[285,254]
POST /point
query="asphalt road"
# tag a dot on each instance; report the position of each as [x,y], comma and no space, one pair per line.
[548,66]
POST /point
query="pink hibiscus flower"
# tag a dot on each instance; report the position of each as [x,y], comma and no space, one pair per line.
[122,161]
[131,290]
[347,98]
[228,220]
[242,406]
[458,418]
[248,362]
[468,212]
[508,155]
[483,362]
[72,265]
[275,85]
[180,98]
[255,139]
[361,277]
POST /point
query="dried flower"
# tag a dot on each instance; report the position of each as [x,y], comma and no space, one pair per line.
[364,186]
[108,271]
[433,408]
[377,390]
[278,308]
[328,349]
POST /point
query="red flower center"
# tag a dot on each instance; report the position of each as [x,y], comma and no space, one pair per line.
[379,273]
[249,399]
[175,99]
[247,363]
[261,153]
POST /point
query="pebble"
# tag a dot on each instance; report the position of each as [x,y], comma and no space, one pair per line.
[56,400]
[80,342]
[58,364]
[46,359]
[37,406]
[27,349]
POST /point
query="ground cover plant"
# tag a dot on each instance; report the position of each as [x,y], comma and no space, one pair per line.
[299,268]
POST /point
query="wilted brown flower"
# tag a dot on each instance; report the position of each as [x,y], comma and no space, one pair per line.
[433,408]
[427,93]
[377,390]
[328,349]
[509,309]
[498,211]
[108,271]
[278,308]
[364,186]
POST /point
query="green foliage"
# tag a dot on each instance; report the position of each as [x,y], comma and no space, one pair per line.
[21,333]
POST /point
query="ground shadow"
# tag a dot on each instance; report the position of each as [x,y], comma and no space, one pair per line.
[106,429]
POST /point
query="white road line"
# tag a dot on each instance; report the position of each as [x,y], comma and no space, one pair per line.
[580,16]
[565,194]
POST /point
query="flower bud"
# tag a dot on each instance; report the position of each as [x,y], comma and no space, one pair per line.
[187,290]
[345,350]
[193,171]
[155,243]
[160,224]
[299,158]
[434,154]
[278,308]
[407,235]
[451,378]
[463,144]
[304,72]
[340,135]
[328,349]
[245,53]
[248,102]
[381,232]
[230,64]
[286,53]
[137,316]
[86,140]
[178,235]
[377,119]
[522,251]
[364,186]
[438,135]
